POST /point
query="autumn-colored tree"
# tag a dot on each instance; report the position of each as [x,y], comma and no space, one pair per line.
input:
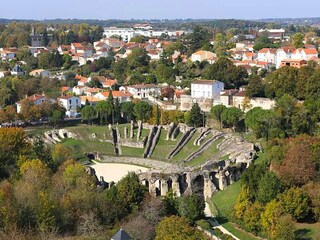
[13,144]
[312,189]
[295,202]
[297,167]
[177,228]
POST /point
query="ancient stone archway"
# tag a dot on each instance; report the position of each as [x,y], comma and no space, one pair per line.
[183,185]
[198,186]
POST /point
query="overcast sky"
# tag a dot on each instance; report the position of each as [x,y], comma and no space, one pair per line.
[158,9]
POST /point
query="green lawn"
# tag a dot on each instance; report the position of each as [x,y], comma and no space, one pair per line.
[79,147]
[187,149]
[207,154]
[86,131]
[239,233]
[164,147]
[307,231]
[132,152]
[224,200]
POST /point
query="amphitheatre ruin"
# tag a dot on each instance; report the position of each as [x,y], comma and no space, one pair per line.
[177,157]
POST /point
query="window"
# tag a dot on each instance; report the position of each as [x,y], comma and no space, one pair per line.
[70,101]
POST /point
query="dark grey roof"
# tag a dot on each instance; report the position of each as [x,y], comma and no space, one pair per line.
[121,235]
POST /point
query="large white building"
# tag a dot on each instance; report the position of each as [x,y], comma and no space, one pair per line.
[206,89]
[125,33]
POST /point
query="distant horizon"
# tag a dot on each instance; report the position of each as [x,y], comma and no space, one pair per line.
[157,19]
[151,9]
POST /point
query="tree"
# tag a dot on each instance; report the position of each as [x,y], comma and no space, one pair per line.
[88,113]
[138,58]
[298,166]
[196,116]
[130,191]
[191,207]
[216,113]
[297,40]
[102,109]
[127,110]
[251,178]
[225,71]
[198,38]
[285,229]
[177,228]
[269,187]
[255,87]
[57,117]
[312,189]
[60,154]
[270,219]
[281,82]
[142,111]
[295,202]
[231,116]
[13,144]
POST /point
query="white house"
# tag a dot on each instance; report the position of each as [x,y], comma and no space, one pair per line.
[70,103]
[305,54]
[143,91]
[40,73]
[267,55]
[206,89]
[35,99]
[284,53]
[203,56]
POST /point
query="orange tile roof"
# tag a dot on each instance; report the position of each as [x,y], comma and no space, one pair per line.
[90,99]
[117,94]
[64,89]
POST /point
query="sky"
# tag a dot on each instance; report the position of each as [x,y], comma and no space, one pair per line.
[158,9]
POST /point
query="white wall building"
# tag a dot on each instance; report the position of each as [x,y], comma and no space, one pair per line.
[70,102]
[283,53]
[125,33]
[143,91]
[206,89]
[267,55]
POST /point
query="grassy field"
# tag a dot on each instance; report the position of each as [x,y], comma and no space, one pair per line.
[206,155]
[308,231]
[79,147]
[224,200]
[187,149]
[164,147]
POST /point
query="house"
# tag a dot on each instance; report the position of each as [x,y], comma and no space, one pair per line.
[8,53]
[92,101]
[206,89]
[40,73]
[17,70]
[297,63]
[305,54]
[64,49]
[154,54]
[248,56]
[92,91]
[273,33]
[284,53]
[267,55]
[143,91]
[70,103]
[122,96]
[109,83]
[121,235]
[82,81]
[76,46]
[35,99]
[202,56]
[79,90]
